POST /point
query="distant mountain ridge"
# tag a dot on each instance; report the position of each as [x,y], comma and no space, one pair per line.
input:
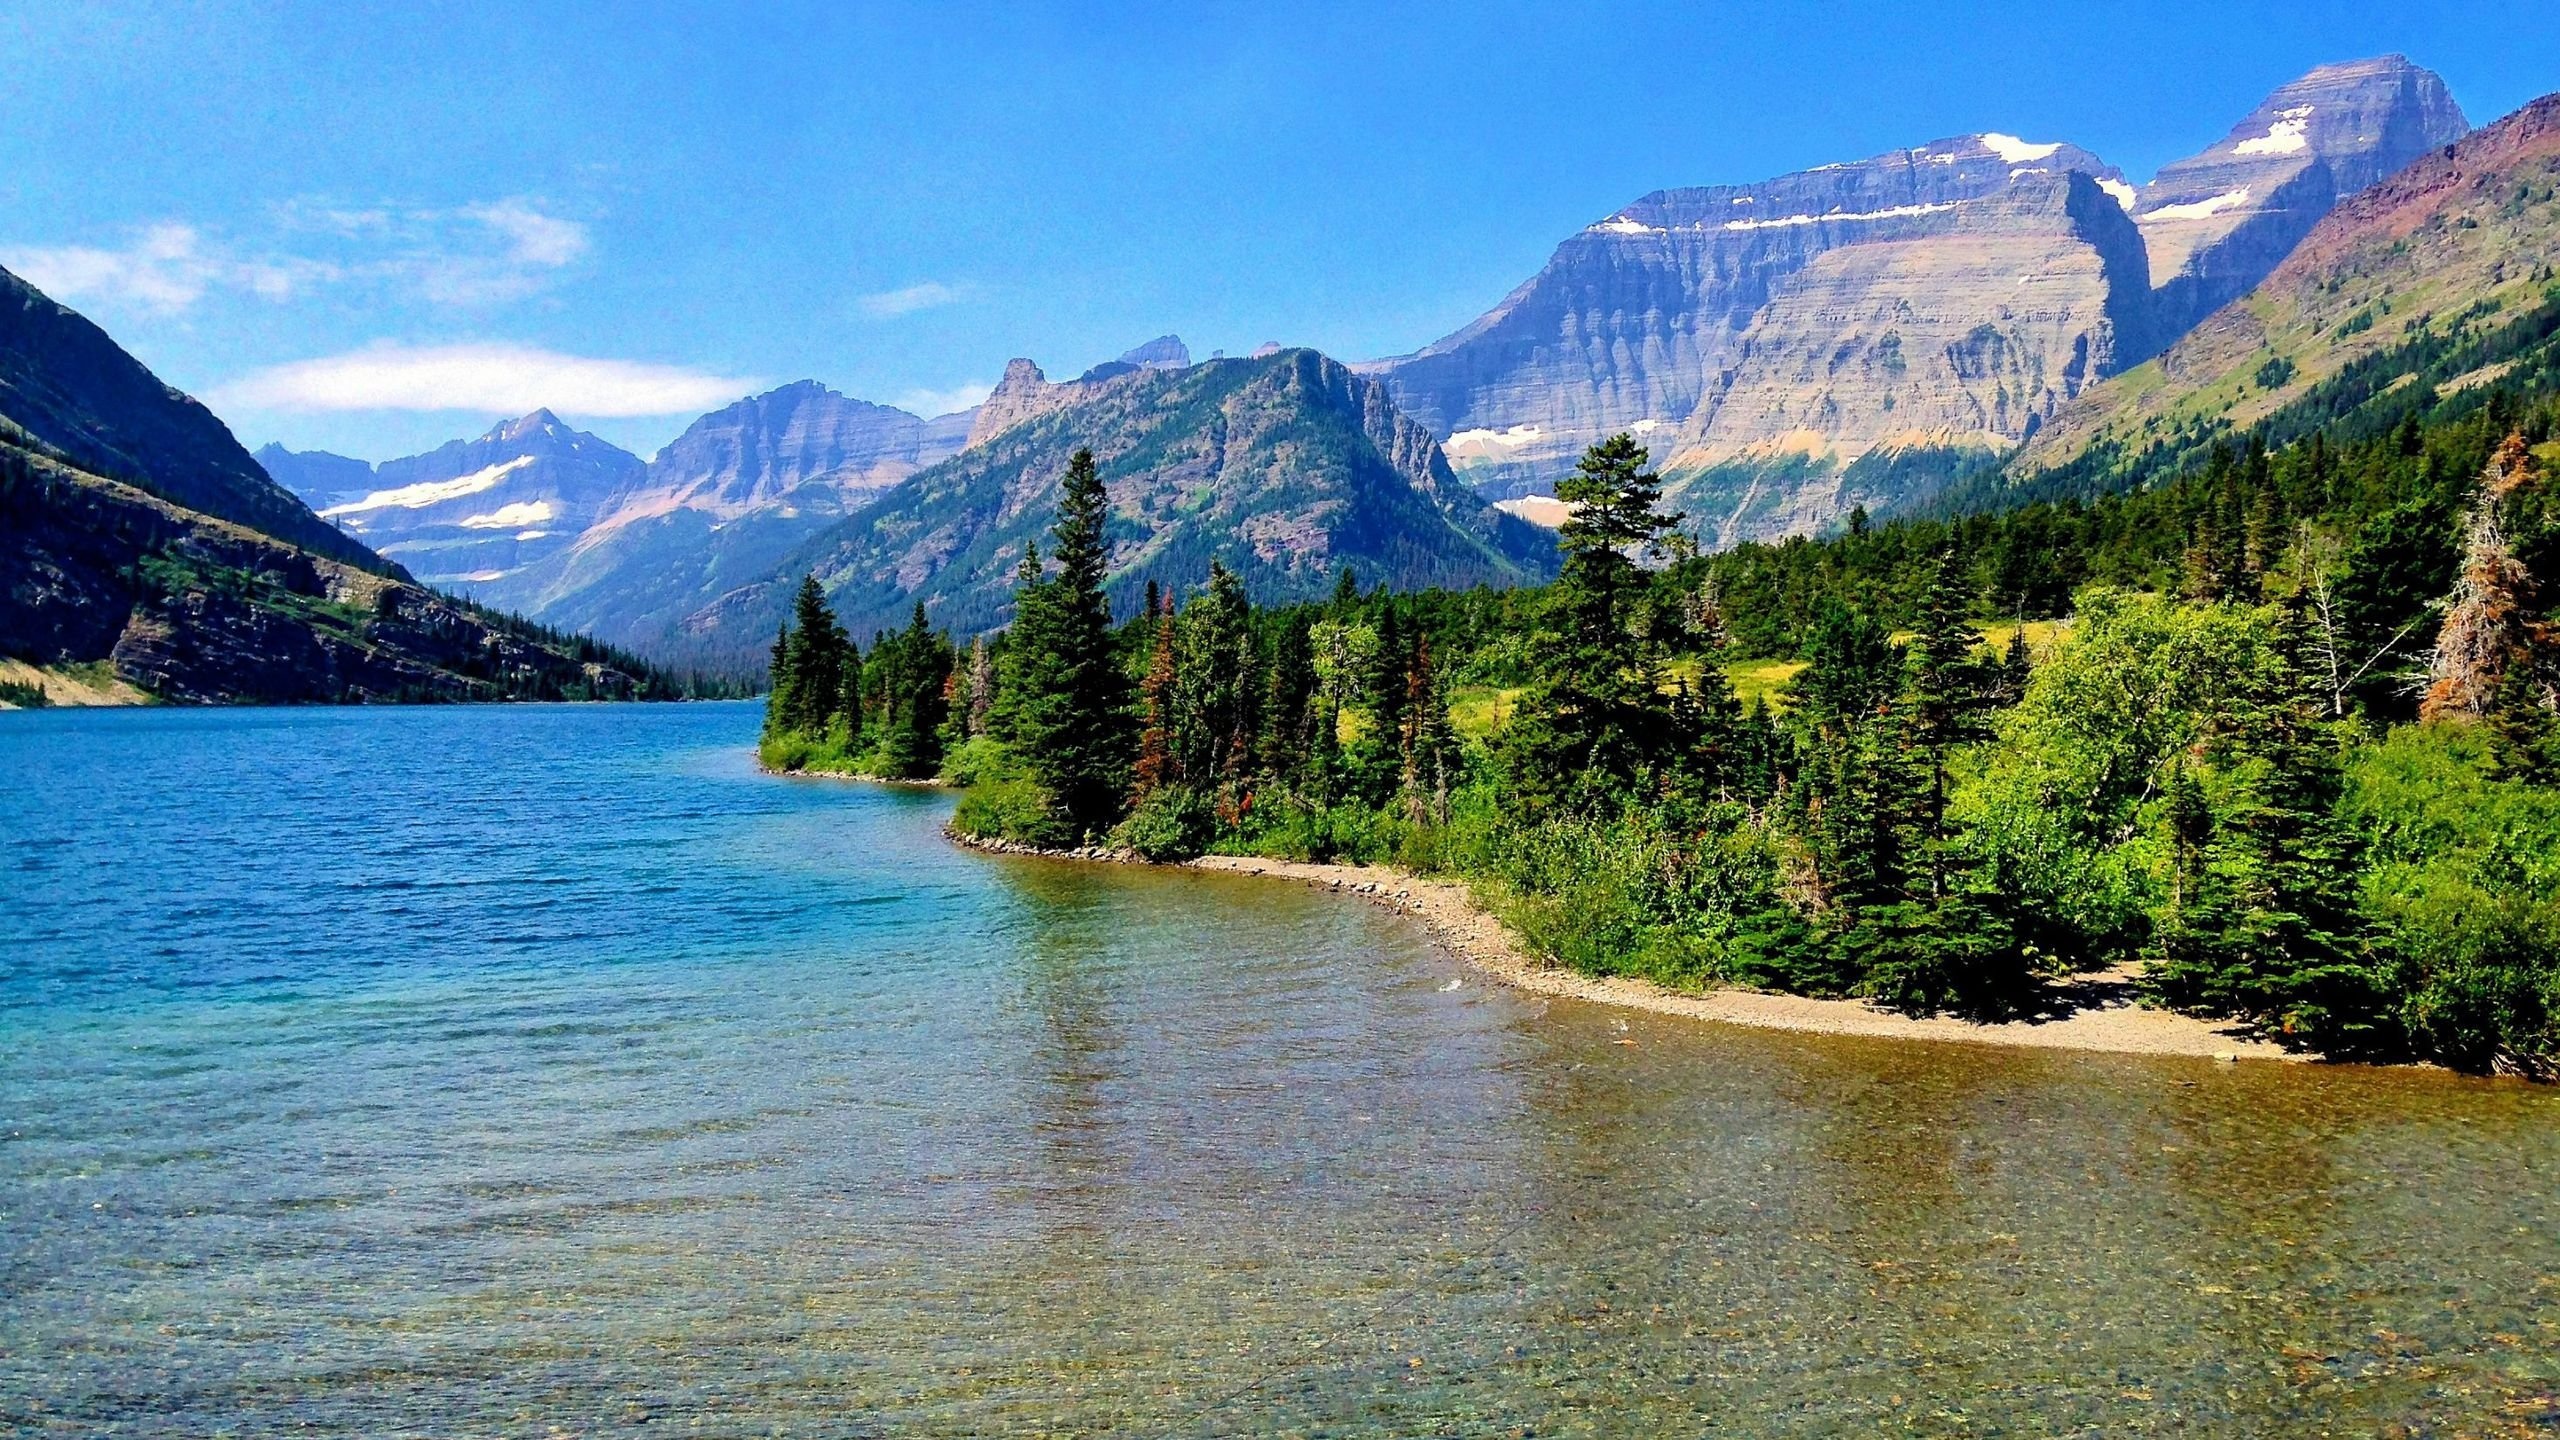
[1286,468]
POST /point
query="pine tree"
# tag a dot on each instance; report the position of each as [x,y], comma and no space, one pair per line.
[1156,764]
[1430,743]
[1069,719]
[816,659]
[1287,732]
[1596,719]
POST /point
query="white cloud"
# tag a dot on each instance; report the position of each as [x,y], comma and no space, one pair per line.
[166,267]
[511,379]
[930,403]
[926,296]
[471,255]
[539,239]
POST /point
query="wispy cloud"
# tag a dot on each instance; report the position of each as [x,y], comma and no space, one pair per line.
[468,255]
[930,294]
[509,378]
[164,268]
[930,403]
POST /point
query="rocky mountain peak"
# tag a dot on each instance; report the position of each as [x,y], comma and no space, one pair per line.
[2217,221]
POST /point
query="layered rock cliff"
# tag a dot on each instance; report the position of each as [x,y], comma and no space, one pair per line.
[1634,320]
[1961,334]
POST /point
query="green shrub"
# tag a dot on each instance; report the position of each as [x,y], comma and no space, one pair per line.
[1174,822]
[1012,808]
[2462,890]
[975,762]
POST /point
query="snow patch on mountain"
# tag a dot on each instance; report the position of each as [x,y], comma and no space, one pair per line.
[2287,136]
[2015,150]
[430,492]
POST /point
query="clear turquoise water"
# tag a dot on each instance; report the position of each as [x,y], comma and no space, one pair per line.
[529,1070]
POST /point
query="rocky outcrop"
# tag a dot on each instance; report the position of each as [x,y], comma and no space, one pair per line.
[73,392]
[2217,222]
[1285,468]
[1634,321]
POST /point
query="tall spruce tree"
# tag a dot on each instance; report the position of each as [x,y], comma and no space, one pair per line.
[1596,719]
[1067,698]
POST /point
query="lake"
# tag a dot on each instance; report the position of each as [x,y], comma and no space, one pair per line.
[521,1071]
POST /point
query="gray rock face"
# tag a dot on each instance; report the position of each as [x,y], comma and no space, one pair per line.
[467,515]
[2216,223]
[1633,321]
[1962,333]
[766,446]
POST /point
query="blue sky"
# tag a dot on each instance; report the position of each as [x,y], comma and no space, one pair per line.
[372,232]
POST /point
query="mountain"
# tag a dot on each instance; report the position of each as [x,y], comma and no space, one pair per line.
[722,505]
[1863,333]
[1888,364]
[472,512]
[1634,320]
[1286,467]
[316,477]
[2417,291]
[2217,222]
[75,394]
[244,595]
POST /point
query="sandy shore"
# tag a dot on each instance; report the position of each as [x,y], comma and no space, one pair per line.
[2094,1012]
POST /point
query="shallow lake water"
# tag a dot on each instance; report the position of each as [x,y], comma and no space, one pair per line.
[531,1070]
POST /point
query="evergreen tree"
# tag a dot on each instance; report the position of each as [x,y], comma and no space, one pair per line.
[1596,717]
[1068,698]
[1288,732]
[1156,765]
[816,659]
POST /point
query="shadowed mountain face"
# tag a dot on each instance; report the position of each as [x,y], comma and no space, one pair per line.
[466,515]
[1286,468]
[72,391]
[2215,223]
[317,477]
[1636,319]
[141,537]
[2436,281]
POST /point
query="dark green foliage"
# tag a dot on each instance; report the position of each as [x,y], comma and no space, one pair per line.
[1064,703]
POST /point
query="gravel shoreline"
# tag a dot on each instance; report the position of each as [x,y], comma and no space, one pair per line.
[2093,1012]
